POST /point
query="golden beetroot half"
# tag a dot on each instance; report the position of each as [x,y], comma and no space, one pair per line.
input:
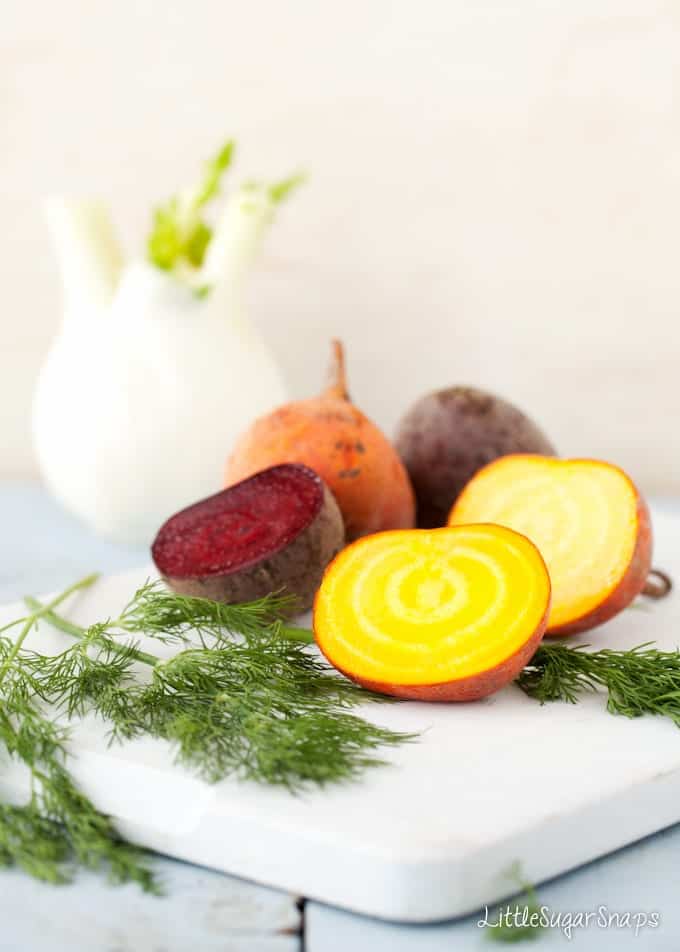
[353,457]
[273,532]
[586,517]
[448,614]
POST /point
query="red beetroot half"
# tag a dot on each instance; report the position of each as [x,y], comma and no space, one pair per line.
[273,532]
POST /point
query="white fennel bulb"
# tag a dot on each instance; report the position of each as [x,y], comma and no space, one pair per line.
[155,369]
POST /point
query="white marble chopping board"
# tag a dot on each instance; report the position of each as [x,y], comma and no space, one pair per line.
[432,835]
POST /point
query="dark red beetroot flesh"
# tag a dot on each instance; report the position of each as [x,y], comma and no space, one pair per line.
[275,531]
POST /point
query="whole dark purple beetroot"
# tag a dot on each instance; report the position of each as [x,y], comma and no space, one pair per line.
[448,435]
[273,532]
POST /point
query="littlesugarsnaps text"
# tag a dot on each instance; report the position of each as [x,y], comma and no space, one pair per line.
[525,917]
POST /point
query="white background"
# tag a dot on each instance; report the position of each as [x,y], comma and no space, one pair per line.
[494,194]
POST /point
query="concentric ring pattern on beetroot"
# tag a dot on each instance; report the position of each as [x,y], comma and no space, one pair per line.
[273,532]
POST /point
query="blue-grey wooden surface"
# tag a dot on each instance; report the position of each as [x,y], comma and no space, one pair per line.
[43,548]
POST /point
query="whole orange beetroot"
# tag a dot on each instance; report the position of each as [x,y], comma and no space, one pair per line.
[331,436]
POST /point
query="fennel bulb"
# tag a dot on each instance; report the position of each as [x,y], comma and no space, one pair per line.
[156,368]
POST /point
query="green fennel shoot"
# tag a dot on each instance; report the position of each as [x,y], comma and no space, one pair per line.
[180,235]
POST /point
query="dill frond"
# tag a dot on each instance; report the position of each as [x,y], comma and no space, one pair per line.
[59,829]
[637,681]
[269,712]
[249,700]
[523,921]
[177,619]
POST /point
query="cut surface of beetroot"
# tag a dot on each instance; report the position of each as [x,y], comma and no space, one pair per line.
[240,526]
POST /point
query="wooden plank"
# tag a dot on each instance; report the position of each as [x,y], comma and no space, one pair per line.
[200,910]
[43,547]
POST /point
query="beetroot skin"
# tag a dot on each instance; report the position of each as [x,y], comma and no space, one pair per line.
[273,532]
[448,435]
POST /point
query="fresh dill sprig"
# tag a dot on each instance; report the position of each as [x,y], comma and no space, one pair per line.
[59,828]
[269,712]
[524,922]
[92,668]
[641,680]
[259,706]
[174,619]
